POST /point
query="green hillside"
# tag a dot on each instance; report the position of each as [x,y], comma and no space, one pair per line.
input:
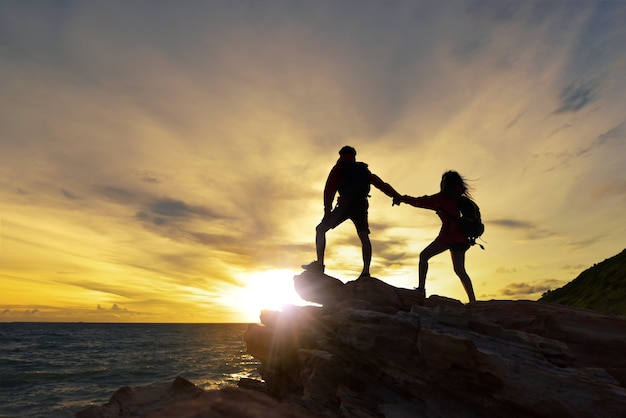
[601,287]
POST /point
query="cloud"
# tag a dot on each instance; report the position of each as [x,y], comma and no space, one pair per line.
[531,230]
[149,177]
[217,240]
[68,194]
[521,289]
[116,194]
[178,209]
[512,223]
[142,216]
[609,188]
[122,290]
[576,267]
[614,136]
[517,118]
[586,242]
[171,208]
[501,12]
[114,308]
[577,95]
[505,270]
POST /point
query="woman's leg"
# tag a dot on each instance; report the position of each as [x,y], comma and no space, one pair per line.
[427,253]
[458,261]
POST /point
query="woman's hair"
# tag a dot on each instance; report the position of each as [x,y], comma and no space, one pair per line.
[453,183]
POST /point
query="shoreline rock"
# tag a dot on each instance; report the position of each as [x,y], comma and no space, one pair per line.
[183,399]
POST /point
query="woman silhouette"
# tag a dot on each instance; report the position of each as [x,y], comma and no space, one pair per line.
[446,204]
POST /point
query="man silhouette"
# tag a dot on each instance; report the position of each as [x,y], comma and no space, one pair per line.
[352,180]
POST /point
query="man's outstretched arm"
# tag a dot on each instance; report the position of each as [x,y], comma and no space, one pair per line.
[384,187]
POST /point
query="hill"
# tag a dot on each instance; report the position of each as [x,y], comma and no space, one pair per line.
[601,287]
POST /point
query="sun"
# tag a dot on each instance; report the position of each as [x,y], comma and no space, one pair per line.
[270,289]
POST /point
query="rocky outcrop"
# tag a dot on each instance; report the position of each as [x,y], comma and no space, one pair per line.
[365,355]
[366,293]
[372,350]
[182,399]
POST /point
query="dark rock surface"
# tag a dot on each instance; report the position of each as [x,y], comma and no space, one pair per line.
[443,358]
[182,399]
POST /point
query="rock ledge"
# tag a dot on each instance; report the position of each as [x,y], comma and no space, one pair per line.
[373,350]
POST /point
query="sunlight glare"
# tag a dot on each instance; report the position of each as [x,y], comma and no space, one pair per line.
[270,289]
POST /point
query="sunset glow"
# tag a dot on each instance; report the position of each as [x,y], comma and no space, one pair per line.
[165,162]
[271,290]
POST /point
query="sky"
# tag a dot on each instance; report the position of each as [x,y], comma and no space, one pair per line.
[165,161]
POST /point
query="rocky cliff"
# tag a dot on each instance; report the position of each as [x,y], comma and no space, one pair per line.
[373,350]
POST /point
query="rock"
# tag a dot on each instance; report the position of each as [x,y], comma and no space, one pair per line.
[332,293]
[231,402]
[593,339]
[364,355]
[319,288]
[139,401]
[182,399]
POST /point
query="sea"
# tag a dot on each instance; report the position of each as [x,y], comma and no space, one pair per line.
[58,369]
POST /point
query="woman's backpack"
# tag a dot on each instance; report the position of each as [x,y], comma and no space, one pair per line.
[470,222]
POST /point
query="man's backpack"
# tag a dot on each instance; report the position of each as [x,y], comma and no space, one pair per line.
[355,180]
[470,223]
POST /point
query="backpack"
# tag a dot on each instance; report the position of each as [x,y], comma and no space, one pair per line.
[470,223]
[355,180]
